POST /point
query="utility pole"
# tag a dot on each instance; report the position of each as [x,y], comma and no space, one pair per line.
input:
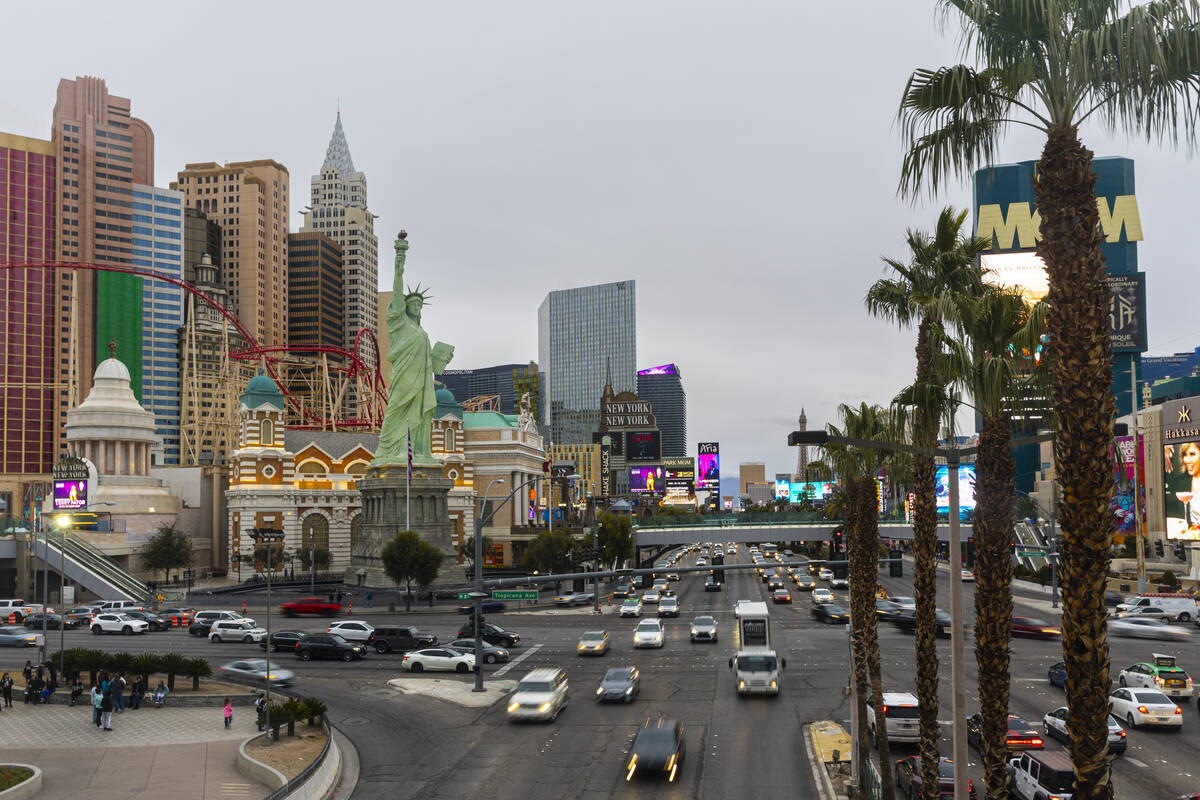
[1138,531]
[270,536]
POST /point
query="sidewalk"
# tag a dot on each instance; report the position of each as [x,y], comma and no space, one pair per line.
[140,759]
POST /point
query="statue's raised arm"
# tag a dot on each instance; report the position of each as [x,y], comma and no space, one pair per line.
[396,306]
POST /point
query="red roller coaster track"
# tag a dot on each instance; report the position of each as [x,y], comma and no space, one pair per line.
[353,364]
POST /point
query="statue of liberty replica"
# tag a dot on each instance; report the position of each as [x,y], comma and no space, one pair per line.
[402,491]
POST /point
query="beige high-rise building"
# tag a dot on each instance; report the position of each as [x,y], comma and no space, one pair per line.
[249,200]
[751,472]
[338,209]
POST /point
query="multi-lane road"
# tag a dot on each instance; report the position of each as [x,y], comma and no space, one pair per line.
[413,746]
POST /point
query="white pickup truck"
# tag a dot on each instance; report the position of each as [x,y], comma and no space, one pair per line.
[17,609]
[1040,776]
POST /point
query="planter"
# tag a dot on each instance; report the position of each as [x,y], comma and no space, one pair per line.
[26,788]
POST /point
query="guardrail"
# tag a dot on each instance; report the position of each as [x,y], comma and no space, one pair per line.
[298,781]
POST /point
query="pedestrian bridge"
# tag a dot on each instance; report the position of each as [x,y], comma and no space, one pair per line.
[692,530]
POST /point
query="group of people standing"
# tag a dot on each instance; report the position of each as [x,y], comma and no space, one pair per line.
[40,683]
[108,697]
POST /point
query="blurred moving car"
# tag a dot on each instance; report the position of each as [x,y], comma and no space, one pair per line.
[1112,598]
[967,576]
[620,683]
[491,653]
[884,609]
[1145,627]
[541,695]
[1145,707]
[908,778]
[649,633]
[18,636]
[906,621]
[488,606]
[632,607]
[1055,724]
[831,614]
[1033,628]
[255,672]
[1019,736]
[704,629]
[658,749]
[592,643]
[575,599]
[441,659]
[310,605]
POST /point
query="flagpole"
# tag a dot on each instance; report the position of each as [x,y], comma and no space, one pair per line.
[408,483]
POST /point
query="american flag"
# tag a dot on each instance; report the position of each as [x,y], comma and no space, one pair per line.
[409,437]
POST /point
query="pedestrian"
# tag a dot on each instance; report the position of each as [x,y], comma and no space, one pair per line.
[118,693]
[53,674]
[76,691]
[6,684]
[106,709]
[28,672]
[35,689]
[136,692]
[260,706]
[228,712]
[105,683]
[97,701]
[369,597]
[160,694]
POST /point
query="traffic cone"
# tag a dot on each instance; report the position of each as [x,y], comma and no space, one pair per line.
[243,606]
[351,611]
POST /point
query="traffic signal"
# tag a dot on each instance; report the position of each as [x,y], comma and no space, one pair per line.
[1158,548]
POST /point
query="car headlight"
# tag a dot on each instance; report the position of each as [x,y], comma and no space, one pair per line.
[637,637]
[513,706]
[774,685]
[741,684]
[694,631]
[629,690]
[600,690]
[544,707]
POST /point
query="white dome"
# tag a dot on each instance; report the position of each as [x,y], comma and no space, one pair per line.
[112,369]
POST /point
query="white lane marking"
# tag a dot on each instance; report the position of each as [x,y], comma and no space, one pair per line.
[1135,762]
[516,661]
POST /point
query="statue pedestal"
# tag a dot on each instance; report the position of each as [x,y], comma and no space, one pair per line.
[383,516]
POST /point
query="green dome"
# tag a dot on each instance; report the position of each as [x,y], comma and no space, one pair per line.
[446,404]
[260,391]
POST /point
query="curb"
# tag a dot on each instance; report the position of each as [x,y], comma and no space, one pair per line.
[255,770]
[26,788]
[348,781]
[820,774]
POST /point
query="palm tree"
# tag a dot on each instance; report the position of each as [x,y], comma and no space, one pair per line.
[858,466]
[939,267]
[1051,65]
[987,363]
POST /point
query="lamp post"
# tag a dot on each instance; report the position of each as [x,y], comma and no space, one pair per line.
[269,535]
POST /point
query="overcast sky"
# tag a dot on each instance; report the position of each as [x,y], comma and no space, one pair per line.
[739,160]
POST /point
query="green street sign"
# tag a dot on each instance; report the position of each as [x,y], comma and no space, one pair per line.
[464,595]
[1030,553]
[515,594]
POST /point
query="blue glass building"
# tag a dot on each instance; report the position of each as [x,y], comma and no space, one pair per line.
[158,247]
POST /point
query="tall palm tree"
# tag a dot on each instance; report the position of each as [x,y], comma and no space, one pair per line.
[988,364]
[857,467]
[939,267]
[1051,65]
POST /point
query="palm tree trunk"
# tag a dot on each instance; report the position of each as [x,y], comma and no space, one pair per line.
[866,566]
[925,574]
[992,530]
[857,653]
[1081,363]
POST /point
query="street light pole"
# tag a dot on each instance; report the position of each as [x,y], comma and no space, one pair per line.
[269,535]
[958,669]
[479,521]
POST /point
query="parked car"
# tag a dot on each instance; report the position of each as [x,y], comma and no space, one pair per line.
[441,659]
[1033,628]
[236,630]
[328,645]
[255,672]
[620,683]
[118,623]
[310,605]
[1055,724]
[352,630]
[18,636]
[155,622]
[491,653]
[489,606]
[492,634]
[909,778]
[53,622]
[657,750]
[282,640]
[1019,736]
[393,639]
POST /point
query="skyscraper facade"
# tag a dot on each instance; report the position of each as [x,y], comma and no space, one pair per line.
[314,291]
[29,319]
[338,208]
[249,200]
[663,387]
[158,248]
[101,152]
[201,236]
[585,336]
[500,381]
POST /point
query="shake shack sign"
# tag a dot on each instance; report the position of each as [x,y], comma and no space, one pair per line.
[627,414]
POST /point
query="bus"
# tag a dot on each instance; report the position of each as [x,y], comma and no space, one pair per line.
[769,550]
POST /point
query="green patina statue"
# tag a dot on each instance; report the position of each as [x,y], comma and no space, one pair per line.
[414,363]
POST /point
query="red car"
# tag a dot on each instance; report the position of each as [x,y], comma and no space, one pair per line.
[781,596]
[310,605]
[908,777]
[1033,628]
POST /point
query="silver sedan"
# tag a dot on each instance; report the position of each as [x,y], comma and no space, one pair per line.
[1146,628]
[254,671]
[491,653]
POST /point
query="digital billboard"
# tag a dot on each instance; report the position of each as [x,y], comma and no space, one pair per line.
[1181,467]
[783,489]
[708,466]
[1123,502]
[646,479]
[70,495]
[813,491]
[966,488]
[642,446]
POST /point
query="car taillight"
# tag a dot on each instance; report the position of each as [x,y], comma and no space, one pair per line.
[297,645]
[883,710]
[1122,734]
[1178,710]
[1143,710]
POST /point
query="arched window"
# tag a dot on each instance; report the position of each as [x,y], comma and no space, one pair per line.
[311,468]
[357,468]
[449,440]
[266,433]
[315,533]
[355,528]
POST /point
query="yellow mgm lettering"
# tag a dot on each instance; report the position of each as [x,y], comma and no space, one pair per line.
[1025,225]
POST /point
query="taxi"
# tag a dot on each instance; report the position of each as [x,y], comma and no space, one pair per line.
[1160,673]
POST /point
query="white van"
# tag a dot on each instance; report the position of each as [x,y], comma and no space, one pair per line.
[901,714]
[540,695]
[1180,607]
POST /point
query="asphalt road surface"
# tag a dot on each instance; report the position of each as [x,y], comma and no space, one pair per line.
[736,747]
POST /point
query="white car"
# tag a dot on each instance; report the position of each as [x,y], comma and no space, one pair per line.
[649,633]
[632,607]
[1162,674]
[437,659]
[1145,627]
[839,583]
[236,630]
[905,603]
[352,630]
[652,596]
[1055,725]
[825,574]
[118,623]
[1139,707]
[821,595]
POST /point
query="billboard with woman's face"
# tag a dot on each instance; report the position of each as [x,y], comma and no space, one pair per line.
[1181,468]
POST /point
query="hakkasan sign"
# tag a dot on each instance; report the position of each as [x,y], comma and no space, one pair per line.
[1181,467]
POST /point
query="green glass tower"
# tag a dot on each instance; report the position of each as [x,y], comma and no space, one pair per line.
[119,320]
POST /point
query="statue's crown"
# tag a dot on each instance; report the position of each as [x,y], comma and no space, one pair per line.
[418,292]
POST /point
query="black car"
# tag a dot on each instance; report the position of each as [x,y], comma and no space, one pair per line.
[774,583]
[658,749]
[711,584]
[831,614]
[283,640]
[620,590]
[201,627]
[907,622]
[492,634]
[886,609]
[53,622]
[328,645]
[400,639]
[489,606]
[1020,735]
[155,622]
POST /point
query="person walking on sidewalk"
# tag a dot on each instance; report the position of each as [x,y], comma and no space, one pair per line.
[228,712]
[369,598]
[6,688]
[97,700]
[118,694]
[106,709]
